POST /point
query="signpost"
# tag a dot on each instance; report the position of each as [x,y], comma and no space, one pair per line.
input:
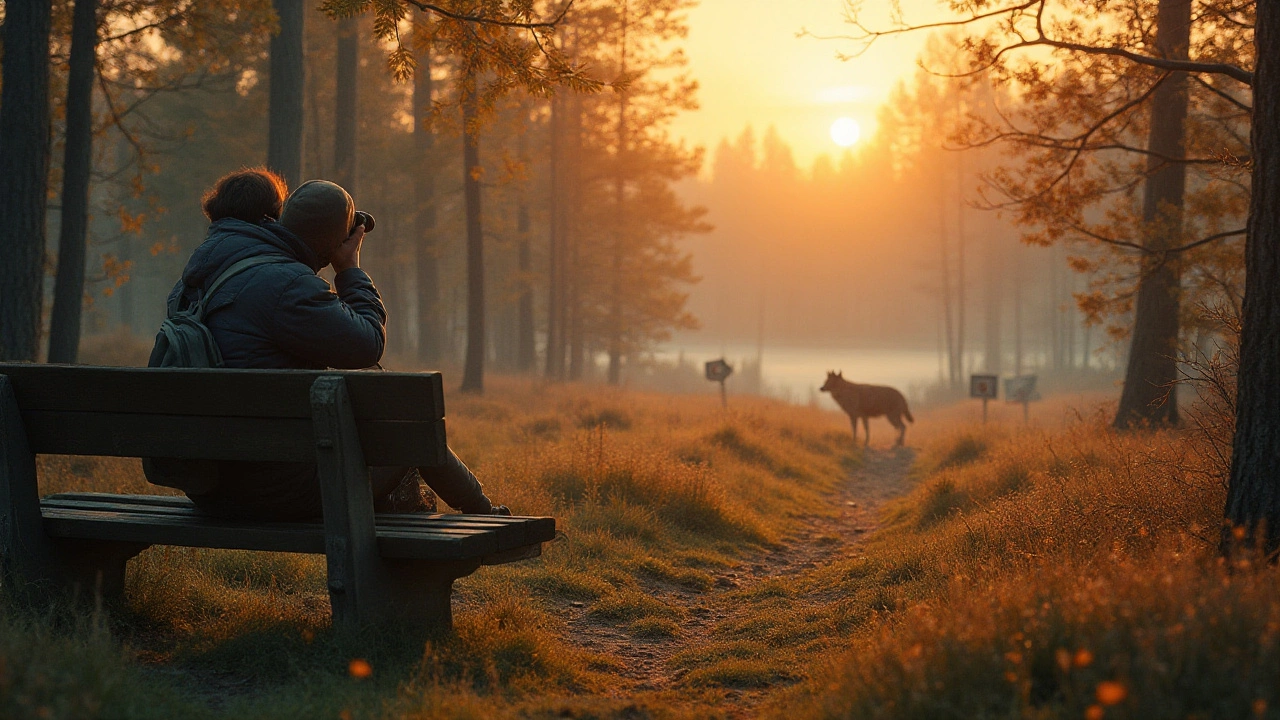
[986,387]
[1022,389]
[719,371]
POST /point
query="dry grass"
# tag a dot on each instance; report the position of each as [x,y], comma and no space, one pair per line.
[648,491]
[1066,574]
[1060,570]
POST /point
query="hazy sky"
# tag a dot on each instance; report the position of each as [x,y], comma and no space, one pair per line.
[754,70]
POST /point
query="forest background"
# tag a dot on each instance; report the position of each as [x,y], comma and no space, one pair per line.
[885,245]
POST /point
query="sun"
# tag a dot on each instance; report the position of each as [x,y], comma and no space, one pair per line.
[845,131]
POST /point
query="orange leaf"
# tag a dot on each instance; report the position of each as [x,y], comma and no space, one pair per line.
[1111,692]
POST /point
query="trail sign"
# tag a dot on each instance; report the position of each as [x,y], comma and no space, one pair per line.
[1022,389]
[985,387]
[719,371]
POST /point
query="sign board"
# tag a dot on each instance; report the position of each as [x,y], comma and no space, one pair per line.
[984,386]
[1021,389]
[719,370]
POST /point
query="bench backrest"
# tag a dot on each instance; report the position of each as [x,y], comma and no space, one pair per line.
[222,414]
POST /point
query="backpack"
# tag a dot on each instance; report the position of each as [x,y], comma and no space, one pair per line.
[184,341]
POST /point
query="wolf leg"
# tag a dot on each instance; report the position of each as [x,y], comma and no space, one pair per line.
[854,420]
[866,429]
[901,427]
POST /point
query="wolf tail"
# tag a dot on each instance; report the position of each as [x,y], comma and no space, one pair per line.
[907,413]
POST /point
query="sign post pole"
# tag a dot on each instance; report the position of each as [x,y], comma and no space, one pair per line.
[719,371]
[985,387]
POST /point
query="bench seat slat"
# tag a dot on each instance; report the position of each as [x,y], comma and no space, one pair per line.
[510,534]
[510,531]
[275,537]
[126,515]
[425,539]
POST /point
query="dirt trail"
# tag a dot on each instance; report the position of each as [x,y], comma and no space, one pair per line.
[644,662]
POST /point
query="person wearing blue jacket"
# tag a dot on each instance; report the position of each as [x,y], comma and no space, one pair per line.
[284,315]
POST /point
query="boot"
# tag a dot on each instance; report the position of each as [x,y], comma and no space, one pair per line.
[410,496]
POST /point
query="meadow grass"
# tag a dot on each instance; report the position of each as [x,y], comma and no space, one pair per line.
[1036,575]
[1061,570]
[653,495]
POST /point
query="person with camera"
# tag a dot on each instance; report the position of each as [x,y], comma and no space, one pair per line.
[277,312]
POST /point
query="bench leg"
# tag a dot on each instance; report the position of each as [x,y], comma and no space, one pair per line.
[81,569]
[91,568]
[420,593]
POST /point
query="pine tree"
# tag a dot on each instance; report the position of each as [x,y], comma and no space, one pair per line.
[24,169]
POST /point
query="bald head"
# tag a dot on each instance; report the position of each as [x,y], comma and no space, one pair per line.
[321,214]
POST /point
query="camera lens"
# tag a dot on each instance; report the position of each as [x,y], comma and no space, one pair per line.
[365,219]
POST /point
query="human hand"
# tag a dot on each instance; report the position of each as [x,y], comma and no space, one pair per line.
[348,253]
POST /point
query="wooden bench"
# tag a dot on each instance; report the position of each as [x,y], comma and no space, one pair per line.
[401,566]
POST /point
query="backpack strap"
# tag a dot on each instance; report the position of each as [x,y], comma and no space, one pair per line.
[231,272]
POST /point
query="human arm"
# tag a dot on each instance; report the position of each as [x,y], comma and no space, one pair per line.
[345,329]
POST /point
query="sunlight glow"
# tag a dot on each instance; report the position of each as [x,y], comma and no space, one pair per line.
[845,131]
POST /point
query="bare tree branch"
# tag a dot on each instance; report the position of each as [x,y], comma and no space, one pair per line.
[867,37]
[1188,66]
[1207,240]
[178,15]
[483,20]
[1149,251]
[1222,93]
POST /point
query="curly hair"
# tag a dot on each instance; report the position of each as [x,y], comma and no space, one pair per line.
[249,194]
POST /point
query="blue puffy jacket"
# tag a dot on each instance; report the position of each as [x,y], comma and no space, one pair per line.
[275,315]
[282,315]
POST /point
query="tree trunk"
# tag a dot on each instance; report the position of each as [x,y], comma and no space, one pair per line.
[1053,317]
[68,292]
[284,112]
[473,370]
[1150,393]
[555,258]
[1253,493]
[525,348]
[315,154]
[346,104]
[620,223]
[961,276]
[1019,267]
[993,300]
[24,172]
[953,377]
[431,331]
[573,311]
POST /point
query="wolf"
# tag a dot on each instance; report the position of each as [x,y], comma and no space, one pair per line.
[868,401]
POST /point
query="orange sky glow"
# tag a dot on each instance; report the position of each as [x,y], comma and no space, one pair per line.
[753,70]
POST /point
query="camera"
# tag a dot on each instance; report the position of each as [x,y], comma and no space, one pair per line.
[365,219]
